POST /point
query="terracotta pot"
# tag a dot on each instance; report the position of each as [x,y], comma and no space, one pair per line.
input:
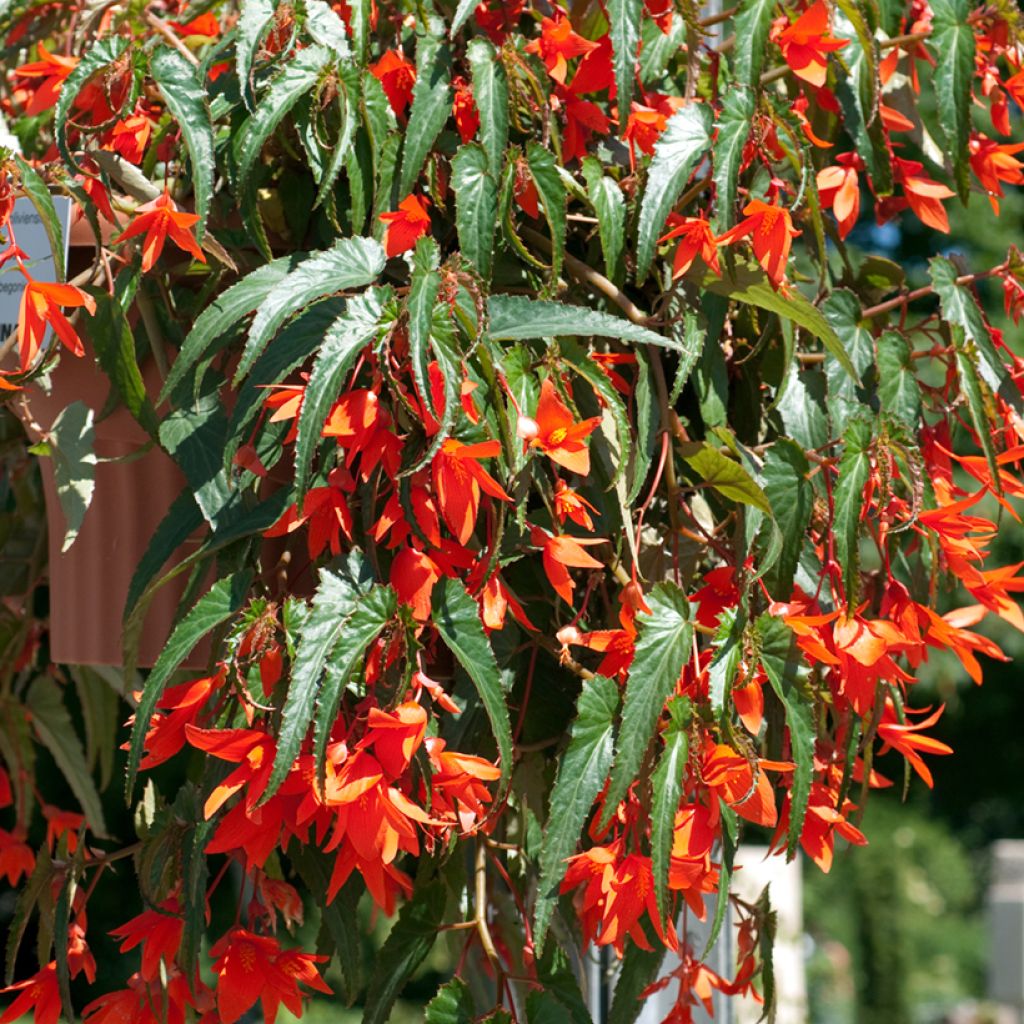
[89,582]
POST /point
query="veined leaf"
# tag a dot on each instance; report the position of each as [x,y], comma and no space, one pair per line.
[431,107]
[426,281]
[70,442]
[224,313]
[453,1004]
[186,100]
[216,606]
[347,337]
[664,642]
[35,886]
[846,398]
[624,18]
[786,670]
[52,724]
[953,40]
[848,503]
[752,22]
[490,94]
[750,285]
[407,945]
[462,13]
[551,190]
[98,55]
[253,19]
[638,969]
[295,80]
[476,206]
[733,131]
[582,771]
[457,620]
[667,790]
[725,475]
[38,194]
[519,318]
[610,208]
[682,144]
[898,389]
[324,26]
[333,607]
[791,496]
[351,263]
[979,404]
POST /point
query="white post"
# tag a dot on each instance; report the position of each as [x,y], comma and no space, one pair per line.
[1006,926]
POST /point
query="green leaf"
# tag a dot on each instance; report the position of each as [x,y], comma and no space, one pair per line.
[898,389]
[750,285]
[734,124]
[551,190]
[848,503]
[253,19]
[431,107]
[802,407]
[725,661]
[624,25]
[462,13]
[582,771]
[334,604]
[791,497]
[725,475]
[979,403]
[62,928]
[37,885]
[476,206]
[729,831]
[453,1004]
[752,23]
[490,94]
[952,39]
[364,625]
[406,947]
[663,645]
[185,96]
[846,396]
[216,606]
[678,150]
[350,263]
[519,318]
[960,307]
[426,282]
[786,671]
[457,620]
[70,441]
[349,83]
[99,695]
[115,348]
[667,790]
[52,723]
[95,57]
[223,315]
[324,26]
[297,79]
[638,969]
[347,337]
[610,209]
[39,194]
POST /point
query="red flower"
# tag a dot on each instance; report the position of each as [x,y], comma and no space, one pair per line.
[557,434]
[159,219]
[406,225]
[695,238]
[158,932]
[558,44]
[50,71]
[467,117]
[772,233]
[458,481]
[643,129]
[570,505]
[397,76]
[40,308]
[39,994]
[993,162]
[903,736]
[806,44]
[562,552]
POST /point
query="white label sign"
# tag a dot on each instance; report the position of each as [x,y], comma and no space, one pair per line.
[30,234]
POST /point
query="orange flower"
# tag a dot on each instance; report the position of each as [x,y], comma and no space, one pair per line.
[253,751]
[772,233]
[560,553]
[413,575]
[643,129]
[923,195]
[556,433]
[558,44]
[159,219]
[397,76]
[731,776]
[40,308]
[395,735]
[253,967]
[50,70]
[806,44]
[458,481]
[993,162]
[902,736]
[130,137]
[821,825]
[695,238]
[39,994]
[839,189]
[406,225]
[569,504]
